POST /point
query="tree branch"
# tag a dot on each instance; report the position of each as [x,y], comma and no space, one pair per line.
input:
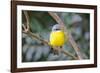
[71,40]
[68,53]
[47,43]
[27,19]
[37,37]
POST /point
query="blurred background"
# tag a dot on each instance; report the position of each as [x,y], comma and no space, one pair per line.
[41,24]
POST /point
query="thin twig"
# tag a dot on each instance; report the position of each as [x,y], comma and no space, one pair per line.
[71,40]
[27,31]
[68,53]
[27,19]
[37,37]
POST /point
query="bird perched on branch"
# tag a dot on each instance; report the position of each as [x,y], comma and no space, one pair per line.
[57,38]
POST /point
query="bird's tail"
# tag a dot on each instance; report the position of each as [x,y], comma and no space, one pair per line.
[56,50]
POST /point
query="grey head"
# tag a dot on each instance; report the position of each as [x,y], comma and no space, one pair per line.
[56,27]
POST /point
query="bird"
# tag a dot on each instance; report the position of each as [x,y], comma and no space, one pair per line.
[57,38]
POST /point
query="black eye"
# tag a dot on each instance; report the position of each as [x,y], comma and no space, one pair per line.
[57,29]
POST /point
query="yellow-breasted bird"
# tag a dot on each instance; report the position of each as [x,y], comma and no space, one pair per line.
[57,38]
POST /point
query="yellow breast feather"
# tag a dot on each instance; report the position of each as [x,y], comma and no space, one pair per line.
[57,38]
